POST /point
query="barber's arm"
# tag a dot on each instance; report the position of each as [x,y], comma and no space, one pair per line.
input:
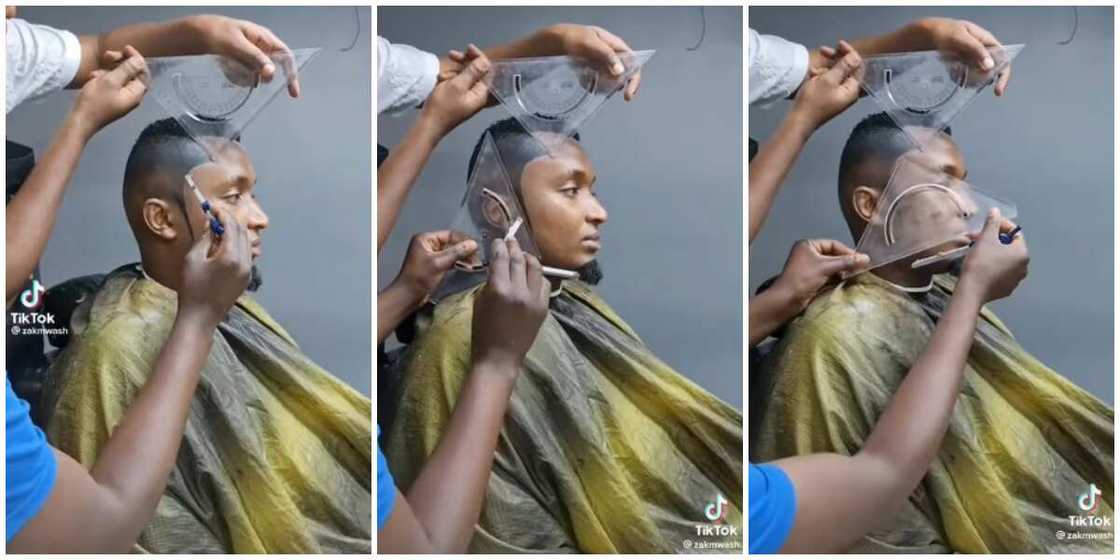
[812,264]
[957,37]
[30,215]
[444,502]
[104,510]
[818,100]
[450,103]
[593,43]
[241,40]
[839,498]
[430,255]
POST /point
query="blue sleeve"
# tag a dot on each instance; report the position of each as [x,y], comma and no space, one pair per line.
[30,464]
[773,504]
[386,488]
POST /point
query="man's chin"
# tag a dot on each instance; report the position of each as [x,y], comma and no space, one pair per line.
[255,280]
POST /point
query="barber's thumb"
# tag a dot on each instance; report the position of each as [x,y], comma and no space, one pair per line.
[991,225]
[446,258]
[846,263]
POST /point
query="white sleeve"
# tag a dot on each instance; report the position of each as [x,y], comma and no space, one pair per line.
[776,67]
[40,60]
[405,76]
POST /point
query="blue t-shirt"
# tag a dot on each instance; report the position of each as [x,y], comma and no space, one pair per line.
[30,462]
[773,504]
[386,488]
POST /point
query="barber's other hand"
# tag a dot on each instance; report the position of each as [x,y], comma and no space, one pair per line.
[595,44]
[965,40]
[992,268]
[216,270]
[430,255]
[248,43]
[509,310]
[112,93]
[827,92]
[813,264]
[459,95]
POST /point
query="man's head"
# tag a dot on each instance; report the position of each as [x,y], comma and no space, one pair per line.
[163,213]
[870,154]
[556,191]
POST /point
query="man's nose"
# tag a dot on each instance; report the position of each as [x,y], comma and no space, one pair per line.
[596,214]
[257,218]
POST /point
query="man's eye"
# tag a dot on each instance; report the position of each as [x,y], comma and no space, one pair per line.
[232,198]
[571,192]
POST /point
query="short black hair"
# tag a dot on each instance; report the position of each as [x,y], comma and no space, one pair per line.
[875,137]
[869,156]
[516,146]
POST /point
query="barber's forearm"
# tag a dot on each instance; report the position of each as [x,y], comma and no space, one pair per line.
[396,176]
[183,36]
[447,496]
[394,304]
[909,433]
[768,312]
[135,463]
[913,36]
[771,164]
[32,212]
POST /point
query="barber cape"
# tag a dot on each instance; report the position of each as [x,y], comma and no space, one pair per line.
[604,448]
[275,457]
[1023,446]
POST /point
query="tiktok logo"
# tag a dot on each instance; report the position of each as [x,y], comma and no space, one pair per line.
[1088,501]
[32,298]
[715,512]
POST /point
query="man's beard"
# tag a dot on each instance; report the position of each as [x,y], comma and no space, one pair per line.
[254,279]
[591,273]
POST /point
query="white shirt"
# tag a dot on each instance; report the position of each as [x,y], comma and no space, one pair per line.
[406,76]
[41,59]
[775,67]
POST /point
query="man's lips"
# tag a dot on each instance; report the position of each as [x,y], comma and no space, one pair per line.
[255,248]
[591,241]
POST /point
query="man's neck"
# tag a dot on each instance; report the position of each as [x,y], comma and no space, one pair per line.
[160,271]
[900,274]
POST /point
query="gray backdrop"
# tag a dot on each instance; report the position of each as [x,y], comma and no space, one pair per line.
[669,164]
[313,162]
[1047,146]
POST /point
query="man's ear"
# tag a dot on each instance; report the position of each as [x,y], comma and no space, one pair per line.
[160,219]
[864,200]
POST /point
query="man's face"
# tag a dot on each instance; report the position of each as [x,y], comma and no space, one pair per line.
[931,212]
[565,213]
[228,184]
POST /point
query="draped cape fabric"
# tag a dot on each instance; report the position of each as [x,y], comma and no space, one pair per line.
[1023,444]
[275,457]
[604,448]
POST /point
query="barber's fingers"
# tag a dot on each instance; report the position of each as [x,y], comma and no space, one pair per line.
[992,225]
[831,266]
[445,259]
[472,73]
[517,267]
[617,44]
[535,280]
[844,67]
[499,265]
[132,67]
[830,248]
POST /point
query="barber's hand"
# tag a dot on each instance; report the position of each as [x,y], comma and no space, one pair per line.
[459,95]
[111,94]
[827,92]
[992,268]
[597,45]
[967,41]
[509,310]
[813,264]
[216,270]
[248,43]
[430,255]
